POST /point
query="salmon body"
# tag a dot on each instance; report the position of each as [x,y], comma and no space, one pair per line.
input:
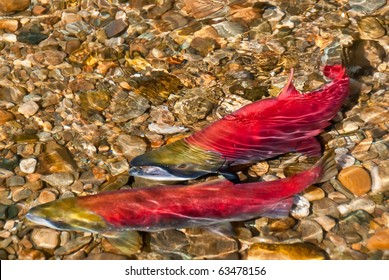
[178,206]
[261,130]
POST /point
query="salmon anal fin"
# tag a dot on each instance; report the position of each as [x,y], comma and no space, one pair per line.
[280,209]
[310,147]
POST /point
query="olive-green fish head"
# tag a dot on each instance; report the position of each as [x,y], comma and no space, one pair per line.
[177,161]
[65,214]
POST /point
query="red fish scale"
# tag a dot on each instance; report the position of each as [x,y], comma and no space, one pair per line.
[181,206]
[275,126]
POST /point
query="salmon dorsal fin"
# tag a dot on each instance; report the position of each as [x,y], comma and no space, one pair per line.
[289,90]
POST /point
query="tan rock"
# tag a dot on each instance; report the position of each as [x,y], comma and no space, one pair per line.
[379,241]
[5,116]
[10,25]
[313,193]
[7,6]
[31,255]
[356,179]
[45,238]
[46,196]
[295,251]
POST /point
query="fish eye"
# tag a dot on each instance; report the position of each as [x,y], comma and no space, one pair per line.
[182,166]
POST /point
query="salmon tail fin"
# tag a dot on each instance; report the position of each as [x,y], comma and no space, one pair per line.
[334,72]
[327,166]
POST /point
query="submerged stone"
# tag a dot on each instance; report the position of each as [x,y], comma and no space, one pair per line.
[31,37]
[277,251]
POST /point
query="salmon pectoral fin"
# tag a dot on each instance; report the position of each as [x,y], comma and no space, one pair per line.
[128,242]
[279,209]
[310,147]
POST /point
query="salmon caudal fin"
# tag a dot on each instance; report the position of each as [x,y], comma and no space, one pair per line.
[334,72]
[327,166]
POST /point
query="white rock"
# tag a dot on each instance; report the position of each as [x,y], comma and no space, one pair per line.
[28,109]
[28,165]
[300,208]
[10,37]
[344,209]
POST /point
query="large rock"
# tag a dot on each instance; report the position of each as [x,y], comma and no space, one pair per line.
[7,6]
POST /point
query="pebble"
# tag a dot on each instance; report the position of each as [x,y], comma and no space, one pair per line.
[9,25]
[325,207]
[45,238]
[28,109]
[14,181]
[115,27]
[21,194]
[313,193]
[73,246]
[62,179]
[28,165]
[379,240]
[14,6]
[362,203]
[30,254]
[46,196]
[356,179]
[105,256]
[131,146]
[300,208]
[294,251]
[327,223]
[5,116]
[311,231]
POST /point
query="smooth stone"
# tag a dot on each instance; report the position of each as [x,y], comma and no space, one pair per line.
[294,251]
[311,231]
[313,193]
[207,244]
[115,27]
[21,194]
[46,196]
[362,203]
[105,256]
[9,225]
[119,167]
[32,38]
[7,6]
[3,210]
[352,237]
[79,255]
[14,181]
[62,179]
[3,254]
[375,115]
[28,254]
[11,25]
[281,224]
[356,179]
[56,158]
[28,109]
[327,223]
[366,6]
[166,129]
[45,238]
[131,146]
[73,246]
[4,173]
[338,197]
[49,57]
[28,165]
[5,116]
[300,208]
[325,207]
[371,27]
[345,160]
[379,241]
[12,211]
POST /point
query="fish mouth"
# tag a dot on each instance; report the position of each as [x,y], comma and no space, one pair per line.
[158,173]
